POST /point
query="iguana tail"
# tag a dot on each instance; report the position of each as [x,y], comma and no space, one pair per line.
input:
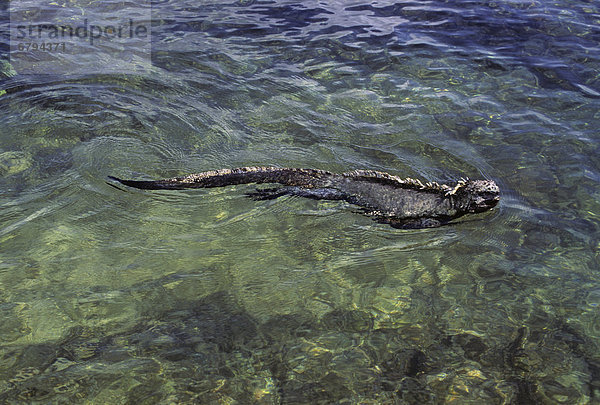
[243,175]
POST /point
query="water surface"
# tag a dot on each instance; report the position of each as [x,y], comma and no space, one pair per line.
[205,296]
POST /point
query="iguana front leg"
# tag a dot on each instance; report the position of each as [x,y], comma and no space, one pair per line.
[313,193]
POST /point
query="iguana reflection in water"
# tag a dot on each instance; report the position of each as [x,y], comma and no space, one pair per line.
[402,203]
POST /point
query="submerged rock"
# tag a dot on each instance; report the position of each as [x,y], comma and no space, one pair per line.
[14,162]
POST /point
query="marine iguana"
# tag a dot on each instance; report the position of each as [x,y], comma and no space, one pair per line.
[402,203]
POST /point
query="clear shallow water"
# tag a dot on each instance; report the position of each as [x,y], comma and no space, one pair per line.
[126,296]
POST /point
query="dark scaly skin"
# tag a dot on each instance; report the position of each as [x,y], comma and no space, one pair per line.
[402,203]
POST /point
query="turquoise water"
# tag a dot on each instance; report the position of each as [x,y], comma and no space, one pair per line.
[126,296]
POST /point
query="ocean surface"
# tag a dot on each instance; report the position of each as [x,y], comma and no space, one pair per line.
[121,296]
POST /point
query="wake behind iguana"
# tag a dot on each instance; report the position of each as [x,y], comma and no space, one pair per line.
[402,203]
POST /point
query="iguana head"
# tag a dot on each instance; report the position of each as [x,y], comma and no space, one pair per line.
[476,195]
